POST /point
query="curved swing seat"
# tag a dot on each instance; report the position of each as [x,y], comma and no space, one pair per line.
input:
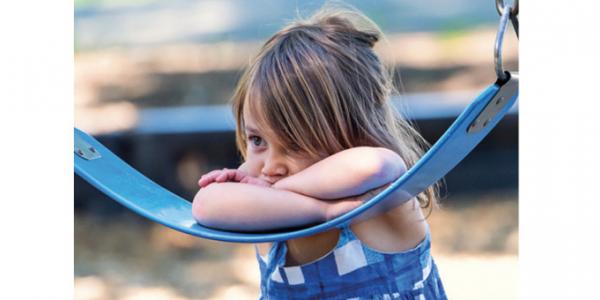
[107,172]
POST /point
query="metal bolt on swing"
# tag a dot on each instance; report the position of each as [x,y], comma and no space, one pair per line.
[85,150]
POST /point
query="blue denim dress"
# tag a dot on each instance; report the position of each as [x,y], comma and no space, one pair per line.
[352,270]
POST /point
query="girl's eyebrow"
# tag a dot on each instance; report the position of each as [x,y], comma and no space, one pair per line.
[251,129]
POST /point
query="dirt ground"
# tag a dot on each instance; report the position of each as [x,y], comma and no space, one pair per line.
[475,244]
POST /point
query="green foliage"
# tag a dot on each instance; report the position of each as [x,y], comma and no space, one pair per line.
[454,28]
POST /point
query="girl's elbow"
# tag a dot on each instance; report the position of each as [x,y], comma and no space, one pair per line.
[388,165]
[202,208]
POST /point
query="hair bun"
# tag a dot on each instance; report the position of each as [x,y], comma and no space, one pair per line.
[347,25]
[368,38]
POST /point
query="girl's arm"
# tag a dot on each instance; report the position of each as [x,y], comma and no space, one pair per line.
[247,207]
[347,173]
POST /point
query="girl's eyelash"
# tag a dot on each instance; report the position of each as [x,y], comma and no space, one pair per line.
[252,138]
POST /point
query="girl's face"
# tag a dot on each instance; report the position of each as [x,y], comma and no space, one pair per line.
[265,157]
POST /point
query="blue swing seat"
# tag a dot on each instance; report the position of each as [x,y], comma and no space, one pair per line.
[107,172]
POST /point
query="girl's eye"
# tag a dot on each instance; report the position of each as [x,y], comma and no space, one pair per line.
[256,141]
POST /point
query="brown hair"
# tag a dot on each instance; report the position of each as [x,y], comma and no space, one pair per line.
[320,87]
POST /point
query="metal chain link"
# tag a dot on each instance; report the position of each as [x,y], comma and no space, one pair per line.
[500,7]
[498,45]
[514,12]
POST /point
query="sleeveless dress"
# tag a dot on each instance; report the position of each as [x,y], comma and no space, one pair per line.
[352,270]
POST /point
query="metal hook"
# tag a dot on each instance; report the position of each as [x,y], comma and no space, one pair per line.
[498,46]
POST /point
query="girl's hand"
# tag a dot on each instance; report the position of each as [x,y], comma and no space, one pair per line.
[222,176]
[339,207]
[249,179]
[234,175]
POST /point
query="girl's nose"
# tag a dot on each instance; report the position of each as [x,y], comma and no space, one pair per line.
[274,167]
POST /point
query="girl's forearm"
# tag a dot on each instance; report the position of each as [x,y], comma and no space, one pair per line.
[347,173]
[245,207]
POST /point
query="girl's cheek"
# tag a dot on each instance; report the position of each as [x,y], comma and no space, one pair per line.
[304,163]
[252,167]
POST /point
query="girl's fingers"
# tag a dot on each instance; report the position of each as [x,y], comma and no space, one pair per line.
[236,175]
[232,175]
[227,175]
[240,175]
[203,181]
[222,176]
[211,174]
[209,178]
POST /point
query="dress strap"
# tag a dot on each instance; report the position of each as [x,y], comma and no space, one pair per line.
[346,235]
[275,259]
[276,253]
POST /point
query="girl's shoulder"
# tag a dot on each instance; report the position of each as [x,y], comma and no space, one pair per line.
[400,229]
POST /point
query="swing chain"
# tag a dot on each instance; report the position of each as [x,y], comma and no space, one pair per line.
[500,7]
[506,10]
[514,12]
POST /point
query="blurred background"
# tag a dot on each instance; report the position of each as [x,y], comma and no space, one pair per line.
[153,80]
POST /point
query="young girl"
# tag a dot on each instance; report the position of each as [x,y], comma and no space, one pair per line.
[319,136]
